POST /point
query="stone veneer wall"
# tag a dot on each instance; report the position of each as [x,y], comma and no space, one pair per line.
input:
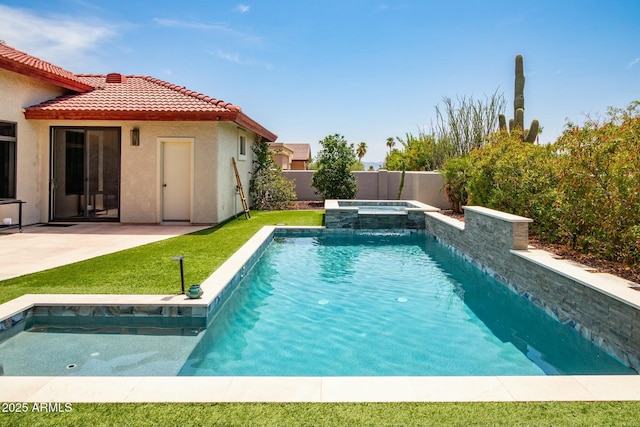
[497,243]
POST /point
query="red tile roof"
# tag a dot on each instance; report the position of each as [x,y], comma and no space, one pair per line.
[118,97]
[138,96]
[20,62]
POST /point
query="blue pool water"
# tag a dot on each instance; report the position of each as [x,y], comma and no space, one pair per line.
[341,305]
[333,305]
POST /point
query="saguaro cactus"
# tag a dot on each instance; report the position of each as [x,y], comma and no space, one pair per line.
[528,135]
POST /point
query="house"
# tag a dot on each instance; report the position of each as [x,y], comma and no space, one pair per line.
[291,156]
[282,155]
[131,149]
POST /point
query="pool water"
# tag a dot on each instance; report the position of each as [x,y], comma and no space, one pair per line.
[383,305]
[333,305]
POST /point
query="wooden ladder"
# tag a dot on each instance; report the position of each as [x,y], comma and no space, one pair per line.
[247,214]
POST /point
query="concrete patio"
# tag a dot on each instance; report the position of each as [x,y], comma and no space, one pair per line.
[43,246]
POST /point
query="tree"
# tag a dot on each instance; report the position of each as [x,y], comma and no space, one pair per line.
[390,143]
[361,150]
[269,190]
[333,178]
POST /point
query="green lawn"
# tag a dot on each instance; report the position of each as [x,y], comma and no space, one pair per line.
[336,414]
[149,269]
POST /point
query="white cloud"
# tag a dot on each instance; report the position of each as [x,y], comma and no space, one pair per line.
[220,27]
[231,57]
[60,39]
[632,63]
[237,59]
[243,8]
[192,25]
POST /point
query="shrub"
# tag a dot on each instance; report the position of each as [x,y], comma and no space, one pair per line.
[600,185]
[518,178]
[333,178]
[456,172]
[269,190]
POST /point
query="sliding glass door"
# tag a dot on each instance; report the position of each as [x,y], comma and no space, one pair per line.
[85,174]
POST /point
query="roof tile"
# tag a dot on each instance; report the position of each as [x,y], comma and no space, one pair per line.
[18,61]
[135,94]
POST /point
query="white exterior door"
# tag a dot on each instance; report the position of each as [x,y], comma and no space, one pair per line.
[176,181]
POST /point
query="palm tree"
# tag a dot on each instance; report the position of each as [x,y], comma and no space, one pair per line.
[361,150]
[390,143]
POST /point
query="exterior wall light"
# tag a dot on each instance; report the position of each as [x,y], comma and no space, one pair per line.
[135,137]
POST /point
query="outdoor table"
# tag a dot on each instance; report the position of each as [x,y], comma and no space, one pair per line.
[13,202]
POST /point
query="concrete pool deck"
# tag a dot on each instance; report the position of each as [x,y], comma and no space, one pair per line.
[273,389]
[319,389]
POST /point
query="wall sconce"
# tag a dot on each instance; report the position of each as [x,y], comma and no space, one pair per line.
[135,137]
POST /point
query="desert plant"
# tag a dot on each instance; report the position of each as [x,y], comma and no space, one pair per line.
[467,123]
[456,172]
[333,178]
[518,179]
[600,185]
[527,135]
[419,153]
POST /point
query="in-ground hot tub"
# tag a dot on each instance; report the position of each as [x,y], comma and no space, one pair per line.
[376,214]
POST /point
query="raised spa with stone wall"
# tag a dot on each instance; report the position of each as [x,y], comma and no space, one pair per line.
[376,214]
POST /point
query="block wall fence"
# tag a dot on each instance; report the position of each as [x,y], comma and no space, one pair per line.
[425,187]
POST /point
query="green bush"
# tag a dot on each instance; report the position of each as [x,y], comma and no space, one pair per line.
[583,190]
[456,172]
[333,178]
[600,185]
[518,178]
[269,190]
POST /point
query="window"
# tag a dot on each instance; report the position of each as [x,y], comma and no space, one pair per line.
[7,160]
[242,147]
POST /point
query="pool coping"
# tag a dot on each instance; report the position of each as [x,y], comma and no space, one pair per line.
[291,389]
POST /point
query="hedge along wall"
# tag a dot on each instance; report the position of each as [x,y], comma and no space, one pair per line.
[603,308]
[425,187]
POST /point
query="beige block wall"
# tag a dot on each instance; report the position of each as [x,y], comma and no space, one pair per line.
[425,187]
[18,92]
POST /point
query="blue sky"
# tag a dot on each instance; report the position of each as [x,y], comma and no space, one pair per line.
[366,69]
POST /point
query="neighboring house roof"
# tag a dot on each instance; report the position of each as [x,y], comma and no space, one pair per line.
[300,151]
[281,148]
[117,97]
[20,62]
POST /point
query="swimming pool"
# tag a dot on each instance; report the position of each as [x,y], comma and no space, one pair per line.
[396,304]
[363,304]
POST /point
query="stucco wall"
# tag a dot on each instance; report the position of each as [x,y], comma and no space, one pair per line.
[424,187]
[229,200]
[18,92]
[140,186]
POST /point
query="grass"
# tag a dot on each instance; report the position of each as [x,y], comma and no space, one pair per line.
[149,269]
[336,414]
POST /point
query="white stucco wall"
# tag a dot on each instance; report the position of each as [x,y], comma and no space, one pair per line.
[18,92]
